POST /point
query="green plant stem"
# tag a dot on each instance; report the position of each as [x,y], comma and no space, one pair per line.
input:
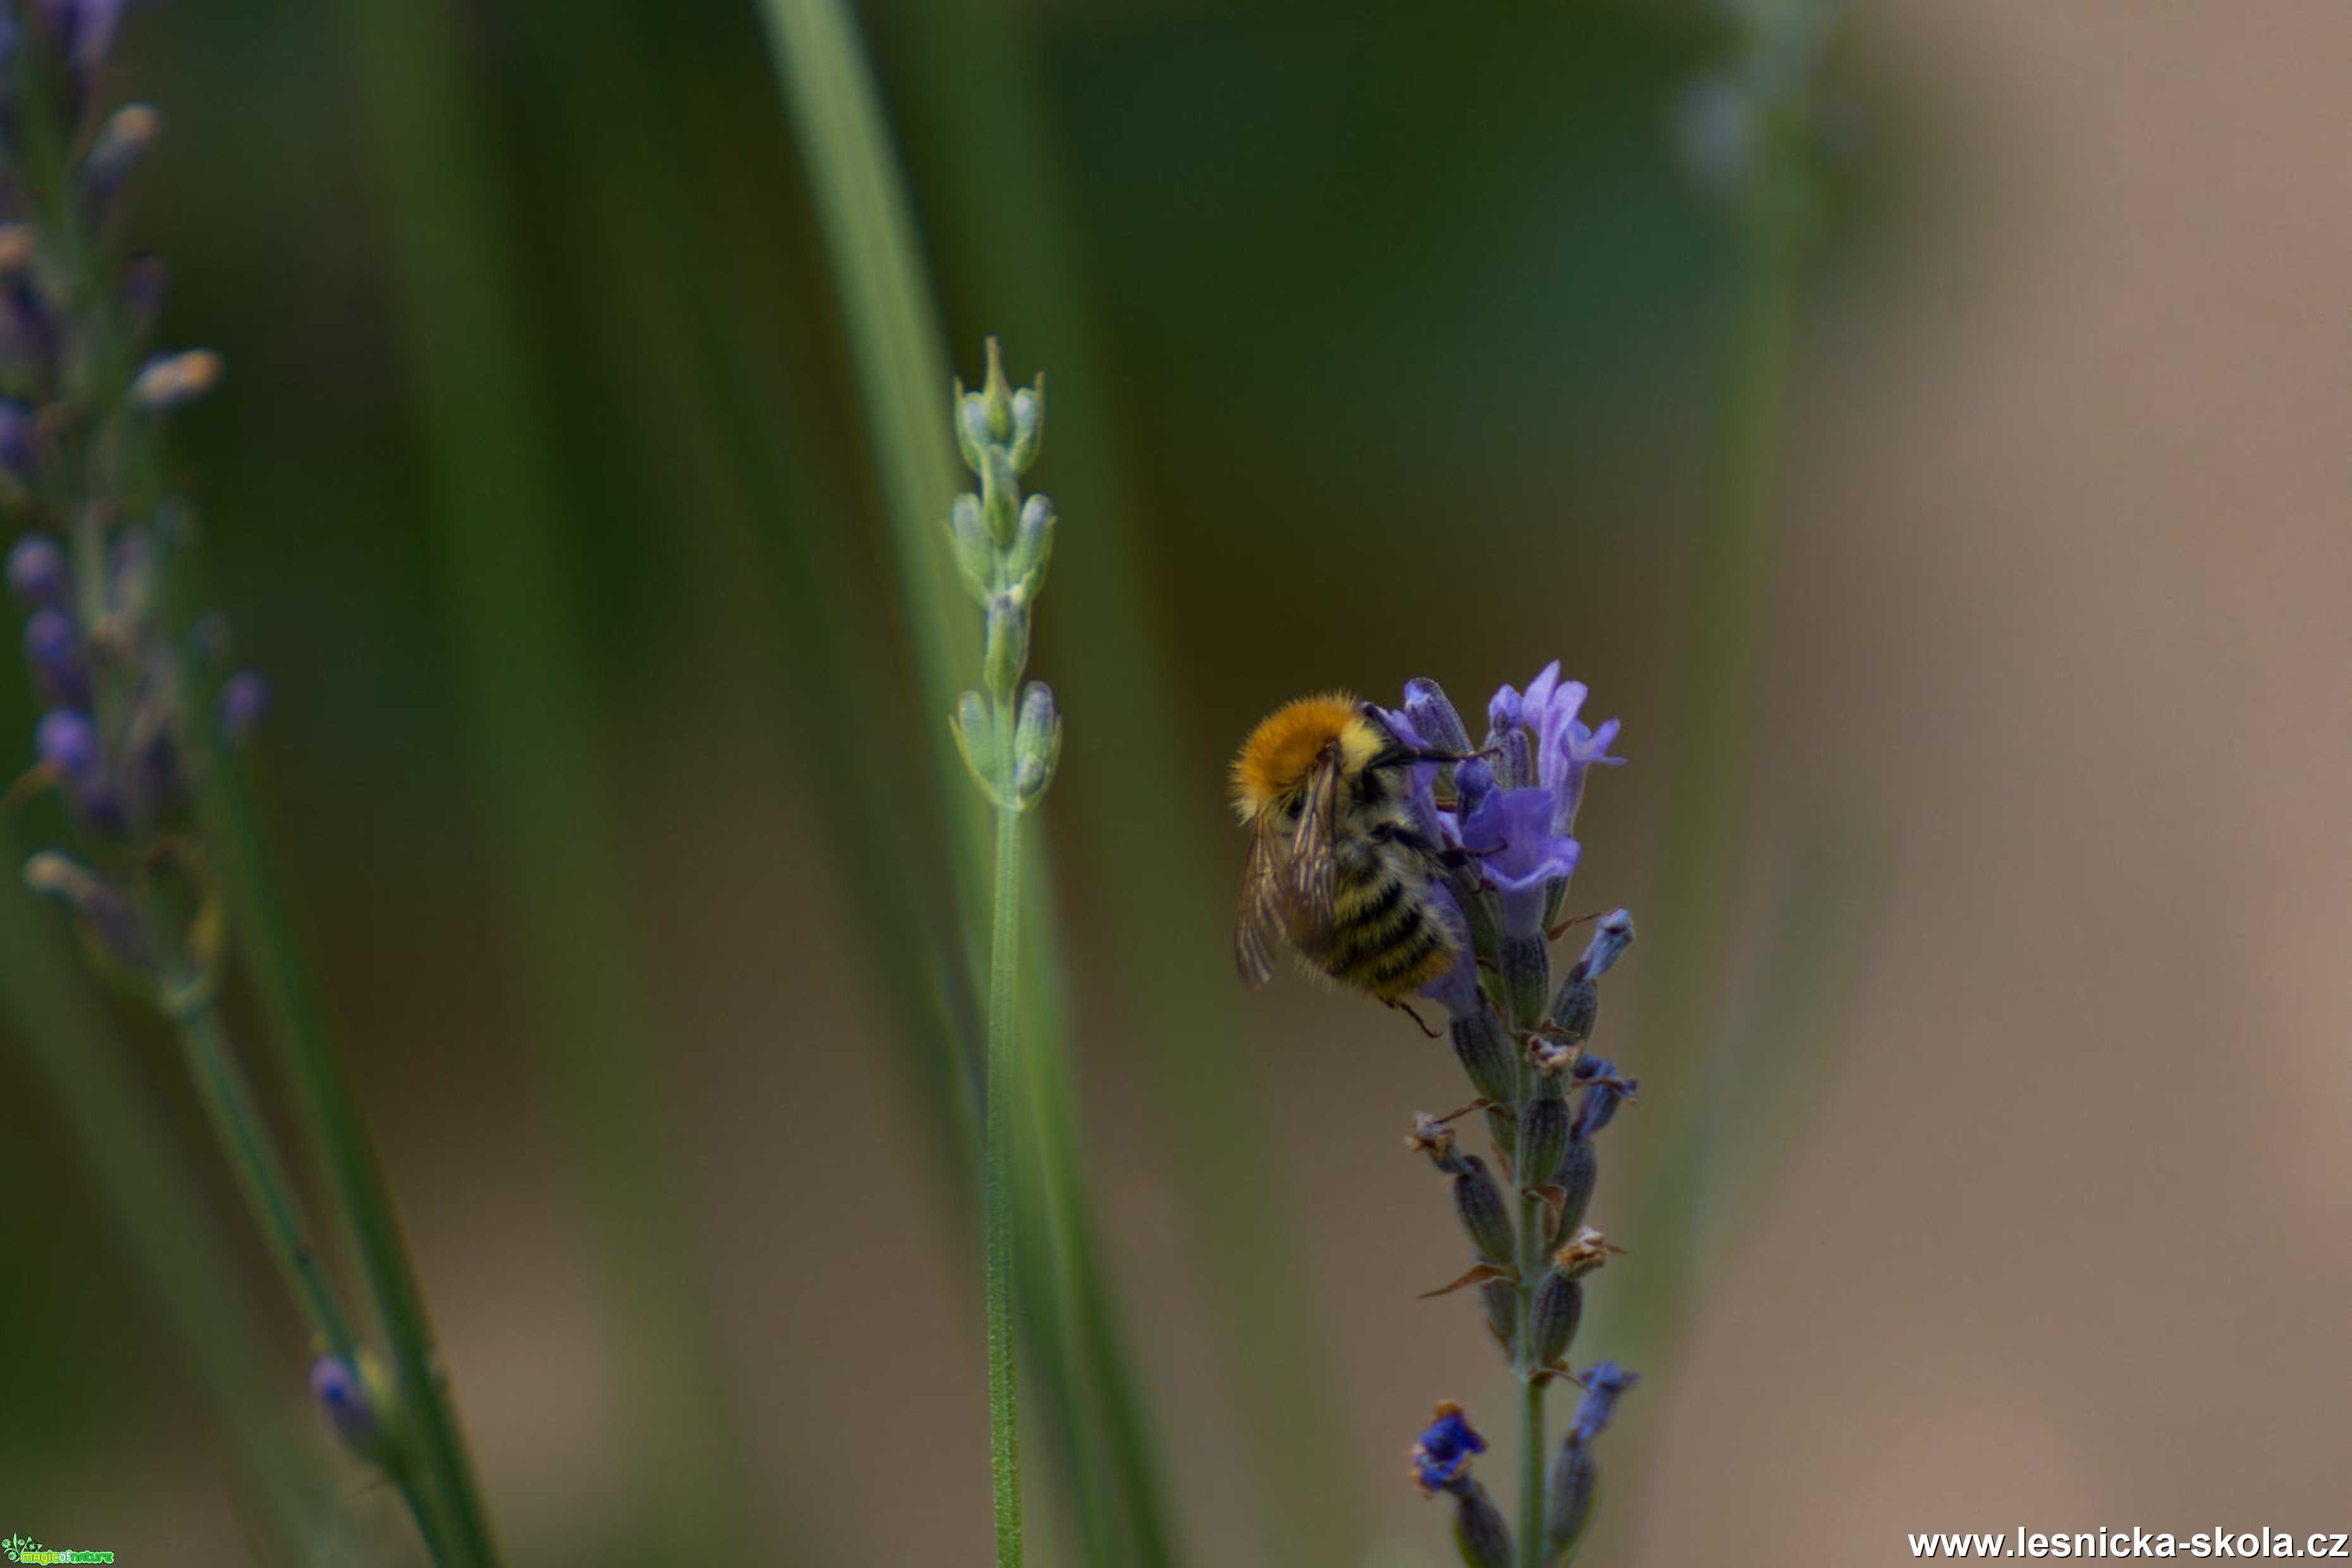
[252,1152]
[340,1143]
[1003,1082]
[1531,1402]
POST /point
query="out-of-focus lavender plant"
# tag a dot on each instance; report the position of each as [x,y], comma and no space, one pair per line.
[1503,831]
[141,709]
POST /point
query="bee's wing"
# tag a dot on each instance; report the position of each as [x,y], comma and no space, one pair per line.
[1314,852]
[1260,924]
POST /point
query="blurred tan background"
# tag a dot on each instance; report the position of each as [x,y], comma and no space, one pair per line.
[2056,1234]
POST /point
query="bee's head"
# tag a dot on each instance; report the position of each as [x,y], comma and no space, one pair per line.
[1281,755]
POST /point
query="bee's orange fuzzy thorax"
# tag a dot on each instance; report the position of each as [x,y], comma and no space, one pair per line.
[1282,751]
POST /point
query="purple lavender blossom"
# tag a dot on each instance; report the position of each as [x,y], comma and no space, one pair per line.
[1442,1454]
[1604,1091]
[1565,748]
[1514,807]
[1604,1383]
[1511,834]
[37,571]
[68,741]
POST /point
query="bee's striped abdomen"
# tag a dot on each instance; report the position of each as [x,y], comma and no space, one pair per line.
[1385,937]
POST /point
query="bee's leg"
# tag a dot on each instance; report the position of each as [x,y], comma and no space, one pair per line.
[1406,1010]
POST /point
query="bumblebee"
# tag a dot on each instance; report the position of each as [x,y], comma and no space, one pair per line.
[1336,866]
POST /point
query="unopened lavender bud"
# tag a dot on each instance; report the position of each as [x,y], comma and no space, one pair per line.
[37,571]
[1484,1055]
[1505,710]
[169,381]
[1006,649]
[1559,1308]
[1485,1219]
[1567,1498]
[1028,425]
[1575,1009]
[996,397]
[115,151]
[1543,1137]
[1036,742]
[975,554]
[18,428]
[971,427]
[53,648]
[1032,547]
[1433,718]
[1480,1533]
[975,732]
[244,700]
[1523,962]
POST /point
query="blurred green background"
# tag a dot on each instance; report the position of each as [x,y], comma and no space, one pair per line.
[1996,1118]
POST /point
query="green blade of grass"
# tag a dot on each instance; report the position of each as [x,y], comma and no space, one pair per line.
[497,504]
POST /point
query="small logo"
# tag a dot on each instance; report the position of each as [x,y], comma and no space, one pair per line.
[21,1548]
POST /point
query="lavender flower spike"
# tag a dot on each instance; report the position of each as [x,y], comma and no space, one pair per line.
[1494,833]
